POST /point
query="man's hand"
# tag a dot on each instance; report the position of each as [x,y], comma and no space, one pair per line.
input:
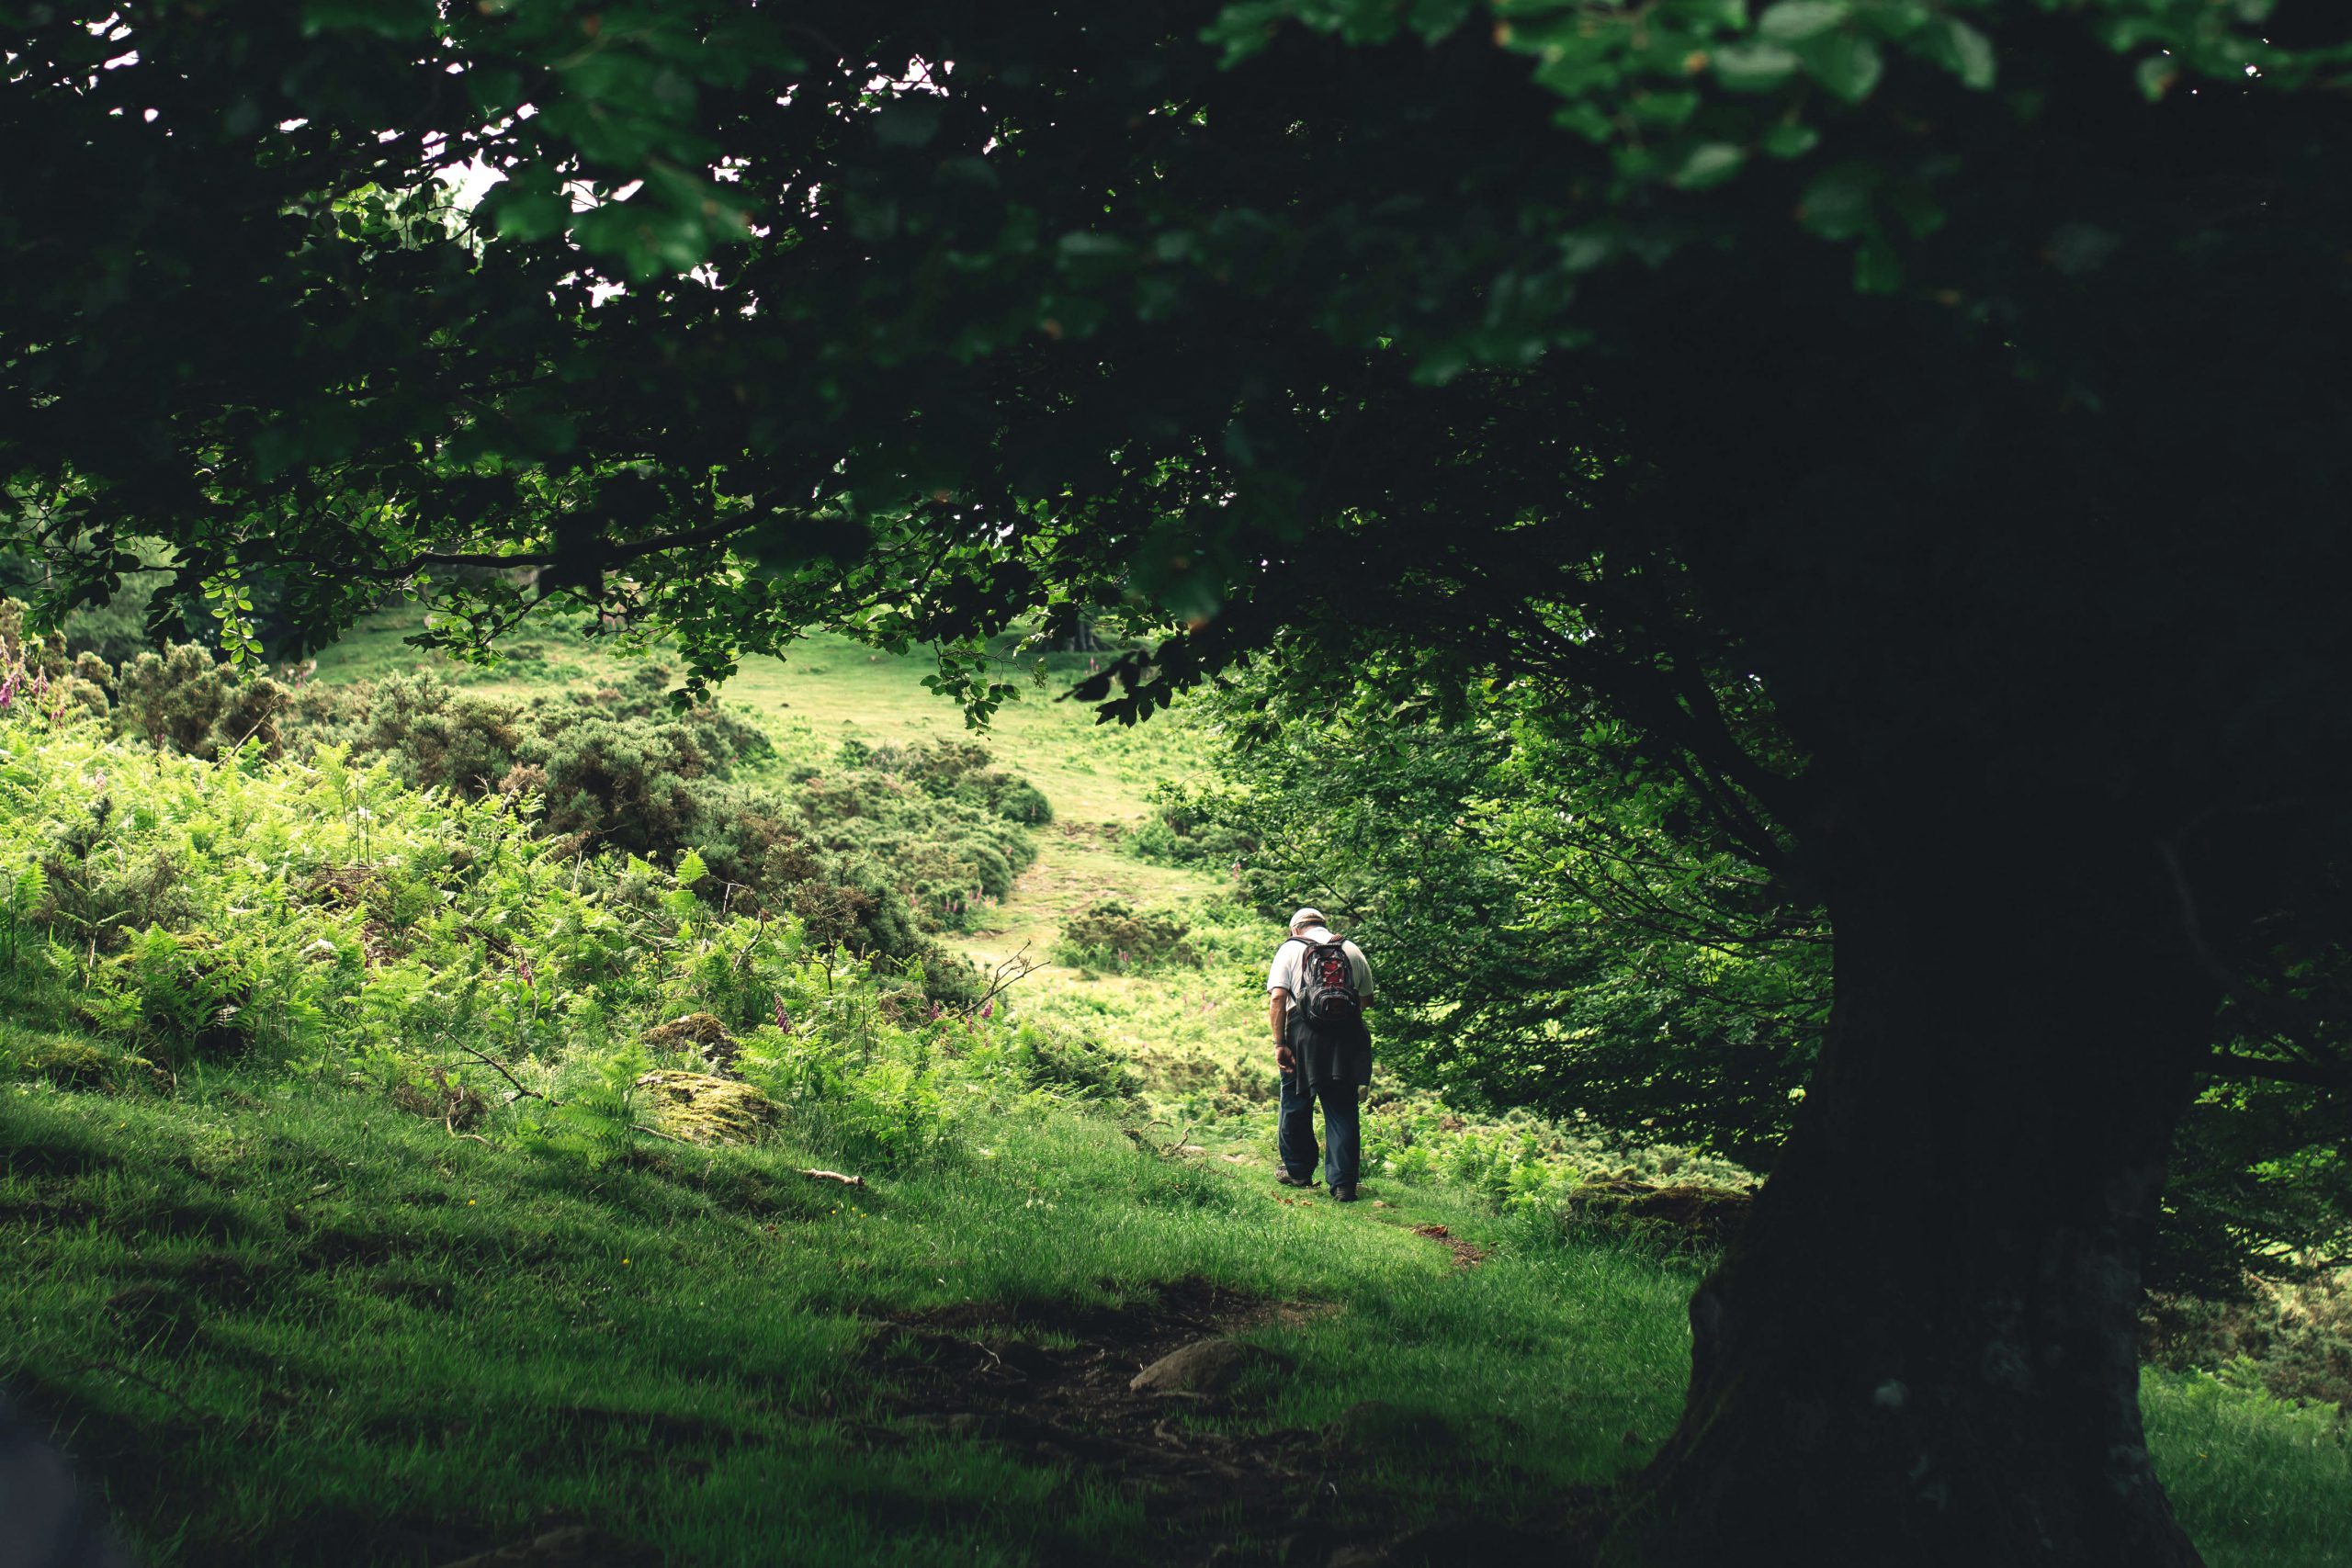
[1284,1060]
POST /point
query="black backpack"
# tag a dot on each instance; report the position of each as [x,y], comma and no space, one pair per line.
[1326,982]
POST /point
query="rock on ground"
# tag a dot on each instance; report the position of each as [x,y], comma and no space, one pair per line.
[1209,1367]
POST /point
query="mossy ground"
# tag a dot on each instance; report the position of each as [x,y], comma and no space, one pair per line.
[289,1323]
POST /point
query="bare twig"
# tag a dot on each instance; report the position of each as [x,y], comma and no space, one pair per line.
[497,1066]
[2318,1074]
[835,1176]
[1168,1151]
[1010,973]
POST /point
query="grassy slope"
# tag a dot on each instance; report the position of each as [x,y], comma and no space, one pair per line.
[1181,1027]
[281,1321]
[307,1321]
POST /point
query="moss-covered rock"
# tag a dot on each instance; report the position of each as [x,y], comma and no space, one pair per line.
[70,1064]
[702,1109]
[1707,1215]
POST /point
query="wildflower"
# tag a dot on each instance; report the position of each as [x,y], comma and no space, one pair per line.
[988,1009]
[624,1262]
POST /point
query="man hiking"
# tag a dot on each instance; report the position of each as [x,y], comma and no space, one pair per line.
[1316,994]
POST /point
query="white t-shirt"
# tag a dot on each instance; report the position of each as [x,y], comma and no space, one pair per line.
[1284,975]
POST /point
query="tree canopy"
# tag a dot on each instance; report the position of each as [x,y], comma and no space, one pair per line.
[1919,424]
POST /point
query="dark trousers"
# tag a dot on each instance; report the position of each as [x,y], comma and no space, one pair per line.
[1295,1138]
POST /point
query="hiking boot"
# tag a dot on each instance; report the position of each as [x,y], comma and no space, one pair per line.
[1287,1179]
[1344,1194]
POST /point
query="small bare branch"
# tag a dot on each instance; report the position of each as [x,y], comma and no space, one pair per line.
[497,1066]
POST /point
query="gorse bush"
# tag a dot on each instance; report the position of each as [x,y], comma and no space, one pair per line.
[323,917]
[1108,933]
[1203,825]
[955,769]
[875,854]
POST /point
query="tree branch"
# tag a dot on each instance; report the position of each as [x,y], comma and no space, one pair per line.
[610,554]
[2331,1074]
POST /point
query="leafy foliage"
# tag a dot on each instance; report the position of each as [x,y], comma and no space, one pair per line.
[1841,394]
[878,855]
[1110,933]
[326,917]
[1555,923]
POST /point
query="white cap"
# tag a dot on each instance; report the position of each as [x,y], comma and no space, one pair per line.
[1306,916]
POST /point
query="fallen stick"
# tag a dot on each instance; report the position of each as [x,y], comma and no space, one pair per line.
[835,1176]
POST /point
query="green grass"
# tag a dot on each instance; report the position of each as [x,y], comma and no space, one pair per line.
[284,1321]
[2254,1479]
[1182,1027]
[280,1324]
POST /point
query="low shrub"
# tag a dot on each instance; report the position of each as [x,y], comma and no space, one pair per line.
[1523,1160]
[1108,933]
[1195,824]
[2291,1336]
[324,917]
[875,856]
[1074,1064]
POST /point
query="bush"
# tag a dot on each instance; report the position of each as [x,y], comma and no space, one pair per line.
[875,856]
[187,699]
[1110,934]
[1204,826]
[2291,1337]
[1059,1060]
[325,918]
[955,769]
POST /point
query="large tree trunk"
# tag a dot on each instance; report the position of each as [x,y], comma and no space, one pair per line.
[1923,1350]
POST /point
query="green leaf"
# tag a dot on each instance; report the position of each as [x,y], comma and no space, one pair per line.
[408,18]
[1877,269]
[909,121]
[691,869]
[1585,119]
[1080,243]
[497,91]
[525,211]
[1837,205]
[1710,13]
[1753,66]
[1708,163]
[2155,75]
[1847,65]
[1665,108]
[1969,53]
[1790,140]
[1792,21]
